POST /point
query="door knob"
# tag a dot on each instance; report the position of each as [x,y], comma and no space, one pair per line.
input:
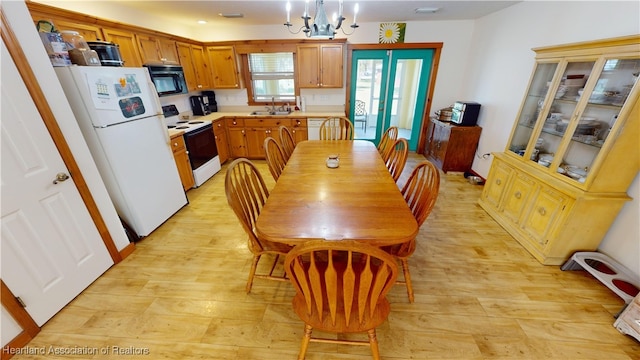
[60,177]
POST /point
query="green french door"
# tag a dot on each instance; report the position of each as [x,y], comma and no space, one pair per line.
[389,88]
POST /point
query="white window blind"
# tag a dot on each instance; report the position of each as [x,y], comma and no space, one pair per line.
[272,77]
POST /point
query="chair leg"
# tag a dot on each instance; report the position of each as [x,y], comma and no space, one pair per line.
[252,272]
[305,341]
[373,341]
[407,279]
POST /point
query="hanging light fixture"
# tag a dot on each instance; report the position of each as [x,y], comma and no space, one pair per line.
[321,28]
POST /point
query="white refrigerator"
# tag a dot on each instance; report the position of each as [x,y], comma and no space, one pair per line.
[120,116]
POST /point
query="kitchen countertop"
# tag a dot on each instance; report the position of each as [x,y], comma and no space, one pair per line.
[294,115]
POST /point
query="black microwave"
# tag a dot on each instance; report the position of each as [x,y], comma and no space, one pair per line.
[465,113]
[168,79]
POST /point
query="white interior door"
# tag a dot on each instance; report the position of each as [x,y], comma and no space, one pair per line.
[51,249]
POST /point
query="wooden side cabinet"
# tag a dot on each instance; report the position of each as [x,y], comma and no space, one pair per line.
[182,161]
[222,140]
[451,147]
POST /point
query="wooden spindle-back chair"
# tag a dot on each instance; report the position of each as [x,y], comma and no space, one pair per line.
[341,287]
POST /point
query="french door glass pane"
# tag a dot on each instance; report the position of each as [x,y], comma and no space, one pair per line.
[368,86]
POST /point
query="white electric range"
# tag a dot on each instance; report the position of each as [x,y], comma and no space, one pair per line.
[200,143]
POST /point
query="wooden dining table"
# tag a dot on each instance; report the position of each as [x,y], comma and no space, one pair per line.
[357,200]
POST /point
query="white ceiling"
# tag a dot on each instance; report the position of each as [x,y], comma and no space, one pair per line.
[267,12]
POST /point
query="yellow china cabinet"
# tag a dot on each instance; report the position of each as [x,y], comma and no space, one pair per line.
[573,151]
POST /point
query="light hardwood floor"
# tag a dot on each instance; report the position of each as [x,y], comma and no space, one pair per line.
[479,295]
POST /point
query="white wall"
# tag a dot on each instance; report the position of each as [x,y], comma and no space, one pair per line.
[20,20]
[500,67]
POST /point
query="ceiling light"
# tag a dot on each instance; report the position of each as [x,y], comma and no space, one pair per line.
[426,10]
[321,28]
[232,15]
[202,21]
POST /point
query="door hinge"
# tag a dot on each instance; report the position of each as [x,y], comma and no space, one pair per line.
[21,302]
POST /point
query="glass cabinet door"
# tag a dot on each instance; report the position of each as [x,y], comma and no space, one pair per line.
[559,114]
[600,115]
[533,103]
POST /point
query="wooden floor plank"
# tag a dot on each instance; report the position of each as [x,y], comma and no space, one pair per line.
[478,295]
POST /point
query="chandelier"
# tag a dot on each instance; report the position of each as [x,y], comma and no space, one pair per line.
[321,28]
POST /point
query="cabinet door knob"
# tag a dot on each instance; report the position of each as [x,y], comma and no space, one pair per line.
[542,211]
[498,181]
[518,194]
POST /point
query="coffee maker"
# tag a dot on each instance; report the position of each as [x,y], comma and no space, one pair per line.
[204,104]
[211,100]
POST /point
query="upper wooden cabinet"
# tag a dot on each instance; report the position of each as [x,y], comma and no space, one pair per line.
[128,45]
[202,68]
[157,50]
[88,32]
[319,65]
[195,66]
[573,150]
[224,67]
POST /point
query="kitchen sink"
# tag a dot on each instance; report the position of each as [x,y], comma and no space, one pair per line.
[263,113]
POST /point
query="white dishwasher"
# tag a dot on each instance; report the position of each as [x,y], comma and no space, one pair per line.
[313,128]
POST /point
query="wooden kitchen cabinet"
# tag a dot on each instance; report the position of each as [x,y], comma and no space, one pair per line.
[127,44]
[224,67]
[237,137]
[559,185]
[258,130]
[319,65]
[451,147]
[201,66]
[157,50]
[182,161]
[222,140]
[299,130]
[88,32]
[246,135]
[194,64]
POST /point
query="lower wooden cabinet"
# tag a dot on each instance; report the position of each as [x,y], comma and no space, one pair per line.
[237,137]
[451,147]
[548,217]
[299,130]
[222,141]
[182,161]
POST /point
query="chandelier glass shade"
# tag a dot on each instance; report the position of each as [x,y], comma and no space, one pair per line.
[321,28]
